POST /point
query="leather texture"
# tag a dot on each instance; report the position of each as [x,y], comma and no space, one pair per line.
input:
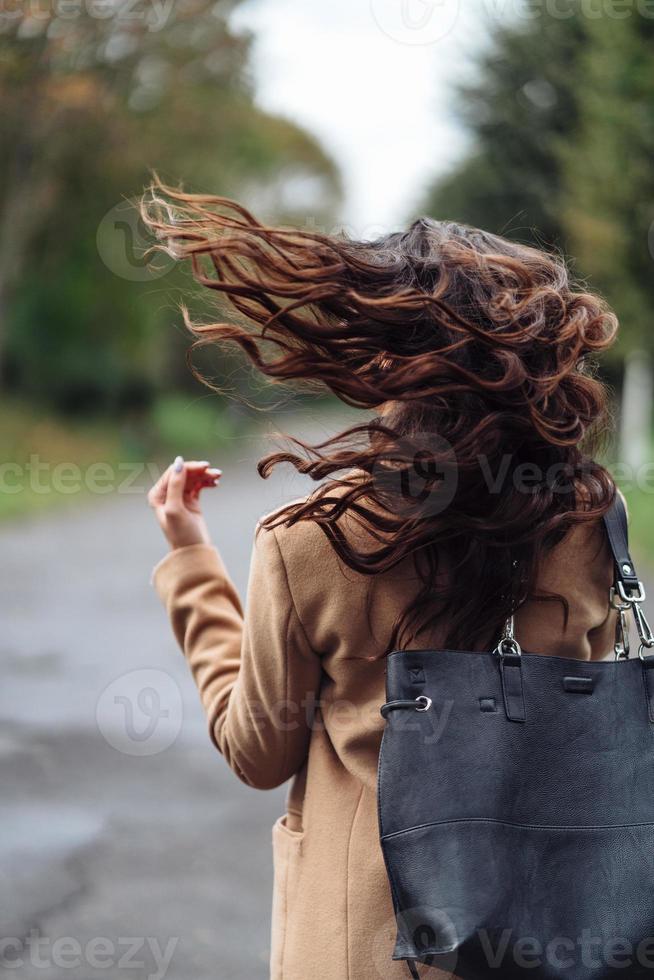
[616,526]
[516,815]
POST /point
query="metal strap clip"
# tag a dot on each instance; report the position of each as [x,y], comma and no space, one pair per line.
[623,600]
[644,631]
[508,645]
[622,644]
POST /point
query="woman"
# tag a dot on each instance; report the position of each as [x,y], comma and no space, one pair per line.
[469,495]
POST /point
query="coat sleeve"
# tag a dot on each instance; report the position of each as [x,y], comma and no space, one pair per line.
[256,674]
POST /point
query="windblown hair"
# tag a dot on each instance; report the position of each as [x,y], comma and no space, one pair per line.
[480,351]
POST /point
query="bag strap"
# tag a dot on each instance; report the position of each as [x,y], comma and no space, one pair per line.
[628,592]
[617,529]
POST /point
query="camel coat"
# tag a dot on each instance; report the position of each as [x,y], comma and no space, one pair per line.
[292,691]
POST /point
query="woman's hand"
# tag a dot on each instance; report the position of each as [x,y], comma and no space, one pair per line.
[175,499]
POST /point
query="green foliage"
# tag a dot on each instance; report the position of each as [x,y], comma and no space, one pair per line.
[521,107]
[41,453]
[562,120]
[195,426]
[607,195]
[54,460]
[641,526]
[89,106]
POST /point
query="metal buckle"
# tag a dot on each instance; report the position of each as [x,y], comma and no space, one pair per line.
[508,645]
[639,597]
[615,600]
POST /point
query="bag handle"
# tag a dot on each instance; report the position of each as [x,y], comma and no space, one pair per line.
[628,593]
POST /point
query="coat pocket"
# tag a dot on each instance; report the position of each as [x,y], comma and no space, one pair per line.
[287,852]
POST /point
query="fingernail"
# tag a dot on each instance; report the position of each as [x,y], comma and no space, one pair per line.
[178,465]
[215,472]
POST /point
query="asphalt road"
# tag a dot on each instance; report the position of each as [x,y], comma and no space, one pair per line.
[127,848]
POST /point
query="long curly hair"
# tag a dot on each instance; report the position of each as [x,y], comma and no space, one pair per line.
[478,354]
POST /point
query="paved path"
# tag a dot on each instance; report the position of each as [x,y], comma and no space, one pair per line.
[97,842]
[137,854]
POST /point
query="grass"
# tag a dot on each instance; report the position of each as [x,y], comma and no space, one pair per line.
[641,520]
[42,458]
[48,462]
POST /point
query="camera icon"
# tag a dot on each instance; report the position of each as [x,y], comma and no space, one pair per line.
[124,244]
[425,927]
[418,477]
[141,712]
[416,22]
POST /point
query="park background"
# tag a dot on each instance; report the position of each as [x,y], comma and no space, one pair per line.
[532,119]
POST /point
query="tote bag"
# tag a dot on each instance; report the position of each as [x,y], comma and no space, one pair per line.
[516,804]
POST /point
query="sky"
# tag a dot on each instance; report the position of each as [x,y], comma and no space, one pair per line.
[374,81]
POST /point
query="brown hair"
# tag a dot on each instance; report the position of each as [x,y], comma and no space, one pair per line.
[477,347]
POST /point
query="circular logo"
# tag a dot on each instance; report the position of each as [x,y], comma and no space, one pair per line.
[418,477]
[124,244]
[424,928]
[141,712]
[416,21]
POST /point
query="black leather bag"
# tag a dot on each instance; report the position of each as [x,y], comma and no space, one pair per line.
[516,804]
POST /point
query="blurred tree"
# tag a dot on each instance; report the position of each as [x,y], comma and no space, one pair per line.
[519,111]
[607,198]
[562,126]
[93,95]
